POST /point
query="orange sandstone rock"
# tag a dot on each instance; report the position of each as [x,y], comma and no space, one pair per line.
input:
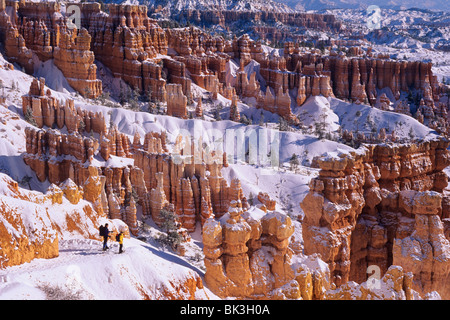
[176,101]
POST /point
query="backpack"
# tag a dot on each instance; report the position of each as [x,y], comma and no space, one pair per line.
[101,231]
[118,237]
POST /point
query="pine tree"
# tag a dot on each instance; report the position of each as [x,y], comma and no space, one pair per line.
[319,130]
[134,101]
[250,198]
[122,96]
[411,134]
[29,117]
[169,225]
[26,181]
[294,162]
[87,92]
[217,116]
[283,125]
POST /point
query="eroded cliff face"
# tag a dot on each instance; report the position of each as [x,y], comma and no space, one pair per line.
[39,29]
[298,74]
[147,174]
[381,207]
[50,112]
[195,196]
[253,258]
[33,223]
[377,208]
[26,230]
[226,17]
[128,43]
[163,63]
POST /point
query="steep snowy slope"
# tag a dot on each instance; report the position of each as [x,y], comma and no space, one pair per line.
[364,118]
[83,271]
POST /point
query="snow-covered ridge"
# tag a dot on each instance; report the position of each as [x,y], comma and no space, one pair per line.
[175,6]
[353,4]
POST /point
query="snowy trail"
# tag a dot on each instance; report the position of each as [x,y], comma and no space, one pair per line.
[84,271]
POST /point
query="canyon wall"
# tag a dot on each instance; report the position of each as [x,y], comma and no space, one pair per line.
[128,42]
[254,257]
[377,209]
[250,258]
[153,60]
[39,30]
[154,178]
[369,210]
[226,17]
[50,112]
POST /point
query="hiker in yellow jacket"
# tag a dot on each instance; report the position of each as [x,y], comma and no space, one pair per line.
[120,240]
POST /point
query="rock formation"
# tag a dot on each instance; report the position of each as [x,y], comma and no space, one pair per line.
[157,178]
[48,111]
[279,104]
[71,191]
[67,160]
[426,251]
[130,219]
[199,109]
[92,189]
[20,242]
[396,284]
[234,111]
[40,30]
[136,49]
[58,215]
[377,209]
[226,18]
[176,101]
[79,69]
[127,42]
[373,206]
[268,203]
[237,252]
[194,195]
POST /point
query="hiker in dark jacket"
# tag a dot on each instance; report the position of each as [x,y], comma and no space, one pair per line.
[105,235]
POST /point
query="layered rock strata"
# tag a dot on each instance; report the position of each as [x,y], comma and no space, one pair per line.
[226,17]
[372,205]
[157,178]
[250,258]
[68,159]
[195,196]
[176,101]
[128,42]
[48,111]
[136,49]
[40,30]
